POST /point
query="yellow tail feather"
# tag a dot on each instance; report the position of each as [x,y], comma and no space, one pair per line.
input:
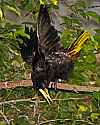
[75,47]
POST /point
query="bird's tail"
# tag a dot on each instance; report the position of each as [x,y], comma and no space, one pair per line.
[74,49]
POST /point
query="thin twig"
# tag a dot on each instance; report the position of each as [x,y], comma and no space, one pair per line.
[54,120]
[17,100]
[34,100]
[60,86]
[5,118]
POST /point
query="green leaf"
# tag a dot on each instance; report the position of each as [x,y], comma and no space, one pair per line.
[94,116]
[90,58]
[97,38]
[2,123]
[28,5]
[96,41]
[82,108]
[97,31]
[42,1]
[22,120]
[54,2]
[66,37]
[96,95]
[93,15]
[1,14]
[22,33]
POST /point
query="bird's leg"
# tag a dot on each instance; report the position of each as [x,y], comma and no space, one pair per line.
[54,84]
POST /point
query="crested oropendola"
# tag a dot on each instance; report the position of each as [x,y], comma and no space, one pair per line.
[49,60]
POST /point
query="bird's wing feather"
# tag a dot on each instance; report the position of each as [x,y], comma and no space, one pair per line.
[27,45]
[48,37]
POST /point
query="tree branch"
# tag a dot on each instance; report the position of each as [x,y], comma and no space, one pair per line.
[60,86]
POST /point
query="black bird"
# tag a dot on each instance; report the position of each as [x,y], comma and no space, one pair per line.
[49,60]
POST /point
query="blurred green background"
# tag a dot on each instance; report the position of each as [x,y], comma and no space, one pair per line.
[70,17]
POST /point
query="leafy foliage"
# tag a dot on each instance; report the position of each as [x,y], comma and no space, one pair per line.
[67,108]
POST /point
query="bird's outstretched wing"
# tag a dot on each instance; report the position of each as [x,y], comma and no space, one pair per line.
[48,38]
[27,45]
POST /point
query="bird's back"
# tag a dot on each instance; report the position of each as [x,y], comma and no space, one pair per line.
[59,66]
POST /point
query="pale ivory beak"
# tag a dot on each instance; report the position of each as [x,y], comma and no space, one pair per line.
[46,95]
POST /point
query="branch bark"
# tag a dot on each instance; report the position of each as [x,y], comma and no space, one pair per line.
[60,86]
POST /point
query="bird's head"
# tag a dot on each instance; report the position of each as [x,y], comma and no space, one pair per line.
[43,89]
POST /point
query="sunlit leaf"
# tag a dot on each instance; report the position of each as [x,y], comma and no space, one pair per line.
[90,58]
[94,116]
[1,14]
[82,108]
[22,33]
[92,13]
[54,2]
[42,1]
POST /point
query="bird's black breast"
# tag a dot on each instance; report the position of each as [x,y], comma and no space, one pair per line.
[55,66]
[39,70]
